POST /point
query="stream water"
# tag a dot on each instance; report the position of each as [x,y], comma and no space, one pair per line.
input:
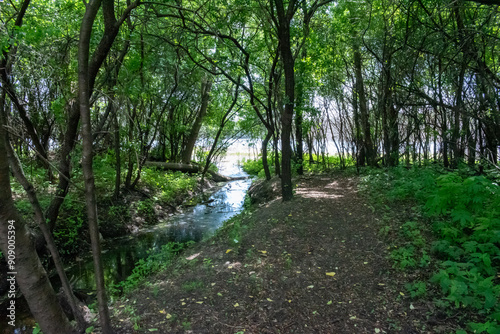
[121,254]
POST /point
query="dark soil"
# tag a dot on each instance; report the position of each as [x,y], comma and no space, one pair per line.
[312,265]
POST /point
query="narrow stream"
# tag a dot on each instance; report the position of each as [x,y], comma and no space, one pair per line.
[121,254]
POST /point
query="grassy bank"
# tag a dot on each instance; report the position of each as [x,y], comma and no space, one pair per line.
[156,196]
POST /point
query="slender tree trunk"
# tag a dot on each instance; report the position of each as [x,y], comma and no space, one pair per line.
[458,111]
[302,99]
[284,20]
[277,164]
[64,165]
[360,153]
[265,163]
[87,158]
[118,166]
[131,150]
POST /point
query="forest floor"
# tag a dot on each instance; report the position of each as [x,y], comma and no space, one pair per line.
[315,264]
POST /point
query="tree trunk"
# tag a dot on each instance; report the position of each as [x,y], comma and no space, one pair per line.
[118,166]
[87,158]
[284,20]
[265,163]
[131,150]
[360,153]
[47,234]
[27,269]
[366,144]
[206,86]
[64,165]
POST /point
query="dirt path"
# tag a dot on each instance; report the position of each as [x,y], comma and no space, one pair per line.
[313,265]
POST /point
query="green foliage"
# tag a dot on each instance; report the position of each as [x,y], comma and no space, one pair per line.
[465,216]
[207,262]
[417,289]
[465,286]
[105,172]
[186,325]
[255,167]
[69,228]
[169,186]
[118,213]
[404,257]
[153,263]
[320,164]
[146,210]
[326,163]
[37,329]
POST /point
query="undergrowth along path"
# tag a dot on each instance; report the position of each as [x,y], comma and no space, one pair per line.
[312,265]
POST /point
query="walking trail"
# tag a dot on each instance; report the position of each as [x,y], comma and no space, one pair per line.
[312,265]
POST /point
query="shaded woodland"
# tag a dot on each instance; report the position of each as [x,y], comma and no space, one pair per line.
[336,84]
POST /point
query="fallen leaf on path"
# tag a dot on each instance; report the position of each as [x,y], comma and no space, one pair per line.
[331,274]
[162,311]
[236,305]
[269,300]
[228,251]
[169,316]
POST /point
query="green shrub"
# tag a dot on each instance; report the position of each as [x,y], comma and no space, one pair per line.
[465,215]
[255,167]
[168,186]
[146,210]
[417,289]
[67,234]
[153,263]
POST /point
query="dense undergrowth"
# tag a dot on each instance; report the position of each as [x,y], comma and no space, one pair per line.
[450,237]
[445,232]
[168,189]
